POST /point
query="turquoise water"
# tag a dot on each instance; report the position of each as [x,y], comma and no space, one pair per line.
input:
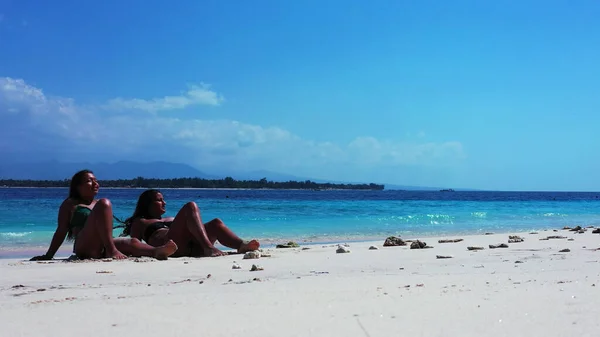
[28,215]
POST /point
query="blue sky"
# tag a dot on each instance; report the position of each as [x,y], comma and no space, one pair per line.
[480,94]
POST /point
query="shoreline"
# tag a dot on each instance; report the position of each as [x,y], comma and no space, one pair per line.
[11,252]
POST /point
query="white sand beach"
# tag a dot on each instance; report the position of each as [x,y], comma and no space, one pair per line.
[527,289]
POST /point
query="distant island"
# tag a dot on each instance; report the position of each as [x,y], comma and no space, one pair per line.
[228,182]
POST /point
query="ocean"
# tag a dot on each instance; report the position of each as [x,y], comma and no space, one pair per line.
[28,215]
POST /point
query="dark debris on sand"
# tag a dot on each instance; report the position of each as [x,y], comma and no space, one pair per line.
[449,240]
[290,244]
[474,248]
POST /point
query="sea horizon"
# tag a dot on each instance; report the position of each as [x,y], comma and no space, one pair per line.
[425,189]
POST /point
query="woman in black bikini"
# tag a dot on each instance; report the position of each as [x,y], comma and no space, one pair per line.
[90,223]
[186,229]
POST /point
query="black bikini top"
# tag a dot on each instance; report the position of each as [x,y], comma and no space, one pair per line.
[154,227]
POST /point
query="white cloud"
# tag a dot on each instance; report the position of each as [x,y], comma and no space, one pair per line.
[77,132]
[195,95]
[372,152]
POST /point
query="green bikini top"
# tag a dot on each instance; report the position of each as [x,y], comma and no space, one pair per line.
[78,219]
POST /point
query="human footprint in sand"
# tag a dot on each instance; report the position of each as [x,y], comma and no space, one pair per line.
[187,230]
[90,223]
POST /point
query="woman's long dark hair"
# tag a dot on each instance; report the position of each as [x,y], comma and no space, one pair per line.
[141,209]
[74,194]
[77,180]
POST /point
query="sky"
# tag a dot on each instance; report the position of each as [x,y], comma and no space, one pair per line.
[496,95]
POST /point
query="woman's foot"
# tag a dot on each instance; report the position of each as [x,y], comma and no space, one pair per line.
[247,246]
[213,252]
[166,250]
[117,255]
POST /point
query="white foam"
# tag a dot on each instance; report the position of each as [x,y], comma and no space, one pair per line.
[15,234]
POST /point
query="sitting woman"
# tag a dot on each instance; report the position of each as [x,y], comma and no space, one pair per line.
[90,223]
[187,230]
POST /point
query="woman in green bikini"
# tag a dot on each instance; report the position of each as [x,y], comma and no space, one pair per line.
[186,229]
[90,223]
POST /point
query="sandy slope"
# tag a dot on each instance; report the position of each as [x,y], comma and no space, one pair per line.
[392,291]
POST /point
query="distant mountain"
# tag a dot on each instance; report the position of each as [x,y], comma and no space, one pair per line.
[423,188]
[411,188]
[281,177]
[54,170]
[259,174]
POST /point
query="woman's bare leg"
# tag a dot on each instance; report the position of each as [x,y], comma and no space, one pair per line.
[134,247]
[217,230]
[187,226]
[96,235]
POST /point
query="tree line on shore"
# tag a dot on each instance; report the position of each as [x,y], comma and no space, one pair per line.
[227,182]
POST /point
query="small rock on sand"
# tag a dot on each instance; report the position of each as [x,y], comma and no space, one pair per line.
[596,231]
[575,229]
[419,245]
[256,267]
[443,256]
[254,254]
[474,248]
[501,245]
[393,241]
[236,266]
[341,249]
[566,250]
[373,248]
[515,239]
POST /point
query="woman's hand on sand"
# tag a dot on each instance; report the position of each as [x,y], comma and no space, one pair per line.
[44,257]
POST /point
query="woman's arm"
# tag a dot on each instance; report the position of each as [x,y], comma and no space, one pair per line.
[64,218]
